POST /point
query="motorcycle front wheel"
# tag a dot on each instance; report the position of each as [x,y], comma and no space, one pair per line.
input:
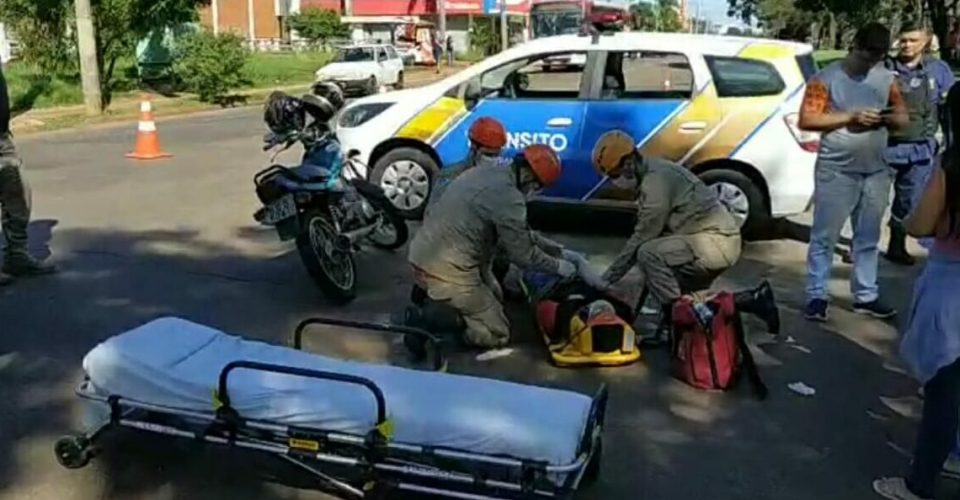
[333,269]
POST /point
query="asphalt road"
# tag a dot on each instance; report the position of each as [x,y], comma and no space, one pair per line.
[141,240]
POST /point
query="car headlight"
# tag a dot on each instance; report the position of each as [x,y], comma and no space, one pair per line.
[362,113]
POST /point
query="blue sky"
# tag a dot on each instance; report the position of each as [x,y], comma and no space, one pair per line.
[714,10]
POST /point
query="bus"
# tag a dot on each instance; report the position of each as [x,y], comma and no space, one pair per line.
[565,17]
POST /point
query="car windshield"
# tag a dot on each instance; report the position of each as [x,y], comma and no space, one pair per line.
[355,54]
[555,23]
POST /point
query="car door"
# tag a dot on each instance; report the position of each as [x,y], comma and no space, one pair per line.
[384,75]
[536,107]
[653,97]
[393,59]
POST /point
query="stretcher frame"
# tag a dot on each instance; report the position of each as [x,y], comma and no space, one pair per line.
[353,466]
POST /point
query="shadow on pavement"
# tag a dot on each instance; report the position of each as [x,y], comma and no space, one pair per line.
[663,439]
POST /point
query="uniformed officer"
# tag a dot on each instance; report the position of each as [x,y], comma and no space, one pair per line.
[14,204]
[682,229]
[923,82]
[486,138]
[484,210]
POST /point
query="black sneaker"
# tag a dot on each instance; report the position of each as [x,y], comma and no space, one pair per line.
[816,310]
[876,309]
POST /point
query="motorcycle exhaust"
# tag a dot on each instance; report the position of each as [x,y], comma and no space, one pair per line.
[350,238]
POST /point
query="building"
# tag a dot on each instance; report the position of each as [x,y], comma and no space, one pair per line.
[257,19]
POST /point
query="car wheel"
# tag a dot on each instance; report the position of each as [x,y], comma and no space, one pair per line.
[399,84]
[406,177]
[742,197]
[372,87]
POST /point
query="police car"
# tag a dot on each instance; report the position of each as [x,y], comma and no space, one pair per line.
[725,107]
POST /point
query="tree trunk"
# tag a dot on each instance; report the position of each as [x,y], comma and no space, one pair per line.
[832,31]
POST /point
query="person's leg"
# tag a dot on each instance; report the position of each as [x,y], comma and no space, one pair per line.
[902,195]
[15,201]
[867,222]
[938,429]
[486,321]
[835,195]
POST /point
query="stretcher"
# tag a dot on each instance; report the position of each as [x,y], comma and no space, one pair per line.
[574,334]
[364,430]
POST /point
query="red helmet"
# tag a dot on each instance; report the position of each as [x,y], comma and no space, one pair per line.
[488,133]
[544,163]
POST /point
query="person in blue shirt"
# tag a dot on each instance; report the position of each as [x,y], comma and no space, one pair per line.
[924,82]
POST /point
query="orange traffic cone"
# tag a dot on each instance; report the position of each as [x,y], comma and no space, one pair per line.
[148,142]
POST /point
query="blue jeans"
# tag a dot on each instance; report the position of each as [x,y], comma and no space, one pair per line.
[838,196]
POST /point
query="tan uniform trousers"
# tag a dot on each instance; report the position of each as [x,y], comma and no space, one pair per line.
[480,304]
[695,258]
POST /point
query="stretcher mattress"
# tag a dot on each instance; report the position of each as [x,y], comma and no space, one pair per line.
[176,363]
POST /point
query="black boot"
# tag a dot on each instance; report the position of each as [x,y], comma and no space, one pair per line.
[761,303]
[416,344]
[897,249]
[664,329]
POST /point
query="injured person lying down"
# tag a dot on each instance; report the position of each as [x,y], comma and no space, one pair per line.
[178,378]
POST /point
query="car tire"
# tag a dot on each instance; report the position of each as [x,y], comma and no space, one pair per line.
[411,164]
[399,84]
[742,197]
[372,86]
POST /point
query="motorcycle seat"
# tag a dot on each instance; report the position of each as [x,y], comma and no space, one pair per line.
[310,173]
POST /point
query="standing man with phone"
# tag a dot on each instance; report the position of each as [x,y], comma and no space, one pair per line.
[923,82]
[14,204]
[844,102]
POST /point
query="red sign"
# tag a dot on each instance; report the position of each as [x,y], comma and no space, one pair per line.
[414,7]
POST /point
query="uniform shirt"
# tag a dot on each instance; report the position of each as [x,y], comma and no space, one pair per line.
[833,90]
[929,81]
[482,210]
[671,200]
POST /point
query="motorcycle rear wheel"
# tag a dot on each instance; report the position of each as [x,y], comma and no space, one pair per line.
[333,269]
[393,232]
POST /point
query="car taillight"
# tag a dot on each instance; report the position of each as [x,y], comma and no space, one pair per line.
[808,141]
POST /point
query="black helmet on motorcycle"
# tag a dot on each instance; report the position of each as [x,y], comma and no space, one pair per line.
[331,92]
[319,108]
[284,113]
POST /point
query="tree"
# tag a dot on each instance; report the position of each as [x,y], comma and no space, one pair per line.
[45,27]
[668,16]
[211,65]
[318,25]
[643,17]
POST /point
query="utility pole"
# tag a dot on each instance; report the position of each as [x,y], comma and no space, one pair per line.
[89,65]
[504,28]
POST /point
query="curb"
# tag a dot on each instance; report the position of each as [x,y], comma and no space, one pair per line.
[107,122]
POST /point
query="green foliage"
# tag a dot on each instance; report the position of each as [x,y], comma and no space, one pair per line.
[668,16]
[318,25]
[211,65]
[46,30]
[40,26]
[643,16]
[484,38]
[266,69]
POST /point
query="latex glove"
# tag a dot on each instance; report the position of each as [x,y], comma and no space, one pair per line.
[566,269]
[593,279]
[576,257]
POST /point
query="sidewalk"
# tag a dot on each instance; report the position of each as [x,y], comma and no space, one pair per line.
[126,109]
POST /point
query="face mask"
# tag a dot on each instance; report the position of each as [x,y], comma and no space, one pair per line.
[623,182]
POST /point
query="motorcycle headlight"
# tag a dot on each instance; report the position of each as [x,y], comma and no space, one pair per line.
[360,114]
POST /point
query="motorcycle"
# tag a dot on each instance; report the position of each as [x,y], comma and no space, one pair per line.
[327,207]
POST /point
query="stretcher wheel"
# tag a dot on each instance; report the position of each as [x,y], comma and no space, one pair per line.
[73,452]
[592,473]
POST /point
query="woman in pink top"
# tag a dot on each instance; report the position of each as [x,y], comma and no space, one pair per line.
[931,341]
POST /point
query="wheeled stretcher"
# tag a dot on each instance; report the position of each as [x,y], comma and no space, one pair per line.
[365,430]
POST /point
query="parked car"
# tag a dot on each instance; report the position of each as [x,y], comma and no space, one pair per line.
[725,107]
[363,68]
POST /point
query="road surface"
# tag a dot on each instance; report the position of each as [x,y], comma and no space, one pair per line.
[175,237]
